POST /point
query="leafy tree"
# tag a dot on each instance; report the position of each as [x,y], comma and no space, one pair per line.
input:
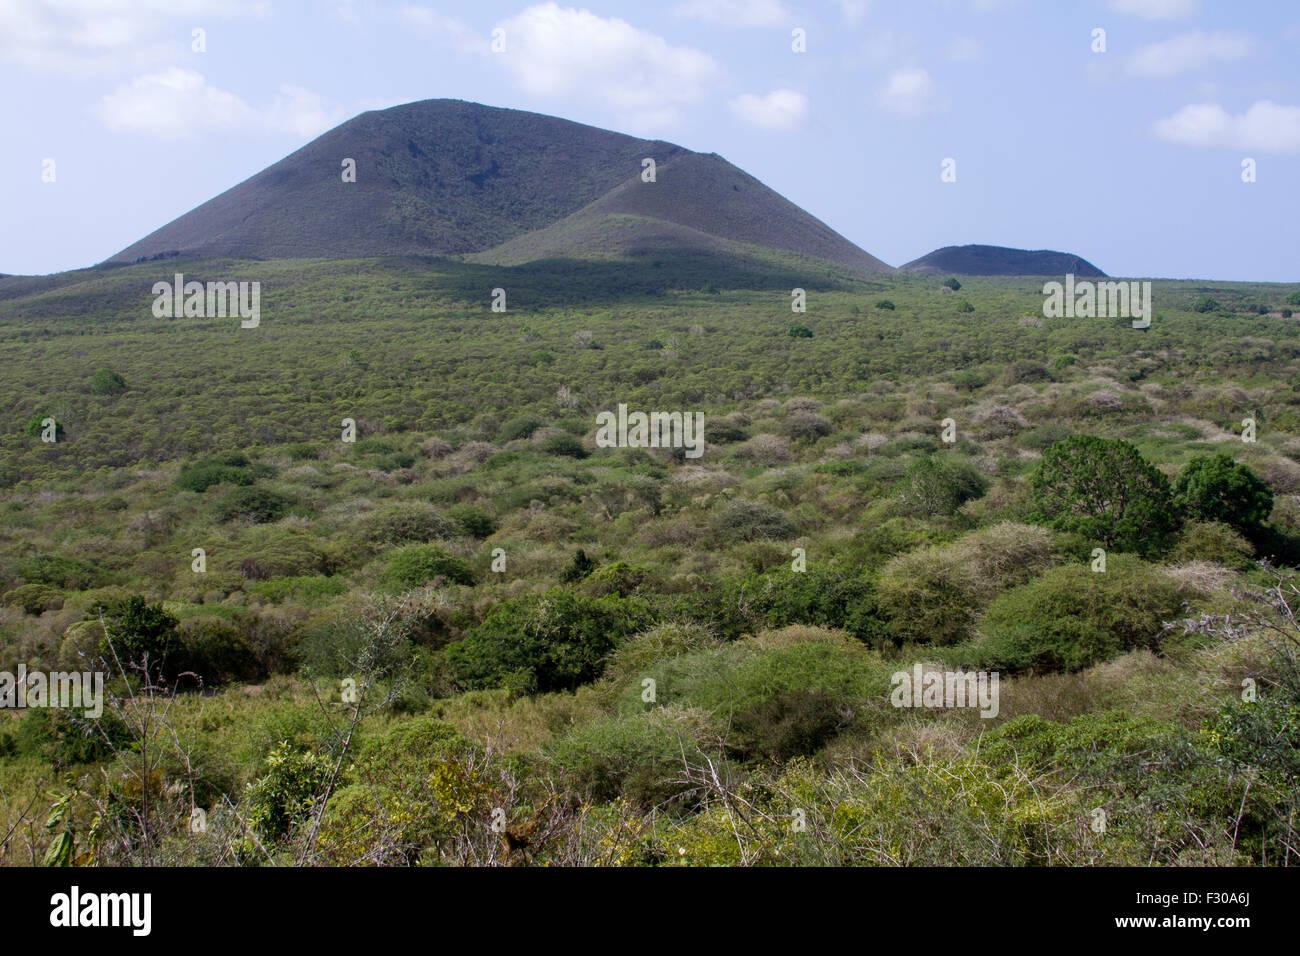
[550,642]
[1293,298]
[1104,490]
[952,283]
[107,382]
[580,567]
[1217,488]
[1205,304]
[800,332]
[138,631]
[565,445]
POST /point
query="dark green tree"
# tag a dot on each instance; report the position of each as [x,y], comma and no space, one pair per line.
[1103,489]
[1217,488]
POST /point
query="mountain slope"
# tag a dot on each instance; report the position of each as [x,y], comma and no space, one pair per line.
[446,177]
[695,199]
[1000,261]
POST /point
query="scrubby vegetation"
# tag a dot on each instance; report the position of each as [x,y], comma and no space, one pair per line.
[473,636]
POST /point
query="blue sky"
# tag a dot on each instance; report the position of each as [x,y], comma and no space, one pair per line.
[1131,157]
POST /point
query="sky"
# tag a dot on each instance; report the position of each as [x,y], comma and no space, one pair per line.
[1155,138]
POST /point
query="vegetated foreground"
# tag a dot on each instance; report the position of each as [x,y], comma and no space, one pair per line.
[474,637]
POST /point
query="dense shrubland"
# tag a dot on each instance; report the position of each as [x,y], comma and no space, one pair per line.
[473,636]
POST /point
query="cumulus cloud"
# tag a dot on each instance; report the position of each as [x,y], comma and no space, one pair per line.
[179,104]
[1189,52]
[910,92]
[1156,9]
[780,109]
[553,51]
[96,36]
[735,13]
[1267,127]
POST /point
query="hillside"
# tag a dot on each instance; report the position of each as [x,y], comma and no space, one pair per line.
[446,177]
[1000,261]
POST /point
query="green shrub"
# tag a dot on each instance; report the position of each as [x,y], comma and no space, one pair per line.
[33,598]
[793,724]
[1216,542]
[939,485]
[1205,304]
[521,427]
[1217,488]
[952,283]
[56,571]
[1073,617]
[555,641]
[409,521]
[563,444]
[885,304]
[286,792]
[799,332]
[258,505]
[473,521]
[136,630]
[752,521]
[107,382]
[414,565]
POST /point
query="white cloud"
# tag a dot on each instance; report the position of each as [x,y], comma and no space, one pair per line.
[463,37]
[97,36]
[855,11]
[780,109]
[1188,52]
[1266,126]
[179,104]
[1156,9]
[910,92]
[735,13]
[555,51]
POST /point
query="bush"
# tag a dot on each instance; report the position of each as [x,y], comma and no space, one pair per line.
[563,444]
[411,521]
[412,566]
[799,332]
[794,724]
[1205,304]
[1104,490]
[258,505]
[228,469]
[1293,298]
[1217,488]
[638,757]
[952,283]
[885,304]
[107,382]
[1073,617]
[965,307]
[34,599]
[56,571]
[934,595]
[940,485]
[217,651]
[286,792]
[521,427]
[136,630]
[555,641]
[1216,542]
[752,521]
[473,521]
